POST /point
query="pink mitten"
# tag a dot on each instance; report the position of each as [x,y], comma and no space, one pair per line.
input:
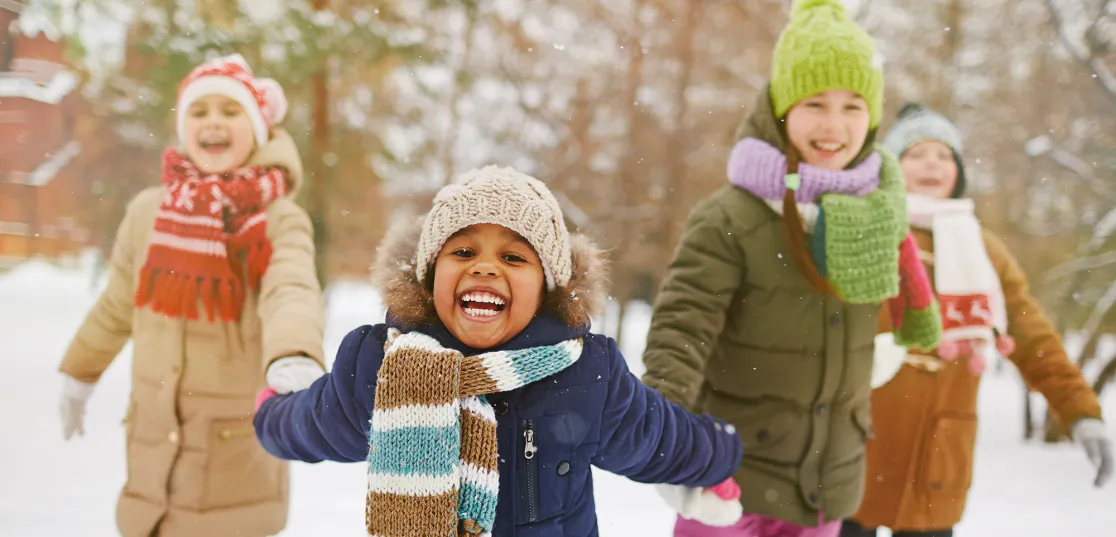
[264,395]
[726,490]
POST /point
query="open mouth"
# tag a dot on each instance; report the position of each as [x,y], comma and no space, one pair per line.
[827,148]
[214,146]
[482,304]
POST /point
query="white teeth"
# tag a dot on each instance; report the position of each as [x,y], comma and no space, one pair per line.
[827,146]
[474,312]
[483,297]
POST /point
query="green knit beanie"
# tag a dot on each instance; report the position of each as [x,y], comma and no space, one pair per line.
[822,49]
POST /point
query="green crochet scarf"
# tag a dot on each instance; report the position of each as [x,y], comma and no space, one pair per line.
[862,235]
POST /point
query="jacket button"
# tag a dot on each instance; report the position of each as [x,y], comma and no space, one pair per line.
[936,485]
[821,410]
[835,319]
[173,437]
[563,467]
[814,498]
[501,407]
[762,435]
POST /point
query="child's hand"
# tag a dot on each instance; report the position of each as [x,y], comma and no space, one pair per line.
[293,373]
[71,407]
[1091,433]
[717,506]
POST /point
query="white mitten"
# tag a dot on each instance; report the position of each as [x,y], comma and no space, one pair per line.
[887,360]
[702,505]
[1093,436]
[293,373]
[71,406]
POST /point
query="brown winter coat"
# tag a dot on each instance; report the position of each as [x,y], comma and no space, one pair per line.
[194,465]
[920,462]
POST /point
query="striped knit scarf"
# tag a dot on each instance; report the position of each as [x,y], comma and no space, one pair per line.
[432,452]
[860,237]
[210,234]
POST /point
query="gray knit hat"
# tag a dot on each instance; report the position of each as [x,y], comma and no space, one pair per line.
[915,124]
[505,197]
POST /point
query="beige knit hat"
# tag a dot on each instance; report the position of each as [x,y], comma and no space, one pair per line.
[505,197]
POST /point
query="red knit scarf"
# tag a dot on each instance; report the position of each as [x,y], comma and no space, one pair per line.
[915,292]
[210,234]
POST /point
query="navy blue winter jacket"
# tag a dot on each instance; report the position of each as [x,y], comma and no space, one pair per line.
[595,412]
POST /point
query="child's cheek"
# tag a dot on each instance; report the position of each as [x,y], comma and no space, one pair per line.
[445,285]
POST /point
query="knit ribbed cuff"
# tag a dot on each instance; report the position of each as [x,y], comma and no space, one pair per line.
[921,328]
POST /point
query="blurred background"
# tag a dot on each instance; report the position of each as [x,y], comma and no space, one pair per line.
[626,108]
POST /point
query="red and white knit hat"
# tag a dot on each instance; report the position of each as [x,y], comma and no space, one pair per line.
[262,98]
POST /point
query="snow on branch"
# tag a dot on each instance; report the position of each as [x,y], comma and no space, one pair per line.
[1081,51]
[1043,146]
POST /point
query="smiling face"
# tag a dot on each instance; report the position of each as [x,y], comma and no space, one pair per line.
[219,135]
[488,285]
[829,129]
[930,169]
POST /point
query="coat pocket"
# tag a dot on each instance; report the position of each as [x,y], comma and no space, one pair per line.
[947,458]
[770,432]
[237,470]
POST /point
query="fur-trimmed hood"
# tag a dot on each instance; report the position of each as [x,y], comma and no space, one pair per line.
[410,303]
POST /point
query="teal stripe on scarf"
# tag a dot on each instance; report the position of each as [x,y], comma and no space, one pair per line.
[539,362]
[478,504]
[817,246]
[408,454]
[413,447]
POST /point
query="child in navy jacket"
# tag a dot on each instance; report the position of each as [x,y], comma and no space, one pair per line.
[481,403]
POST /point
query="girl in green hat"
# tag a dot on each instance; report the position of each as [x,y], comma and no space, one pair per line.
[768,312]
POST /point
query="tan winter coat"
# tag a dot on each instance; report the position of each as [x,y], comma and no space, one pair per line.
[920,462]
[194,465]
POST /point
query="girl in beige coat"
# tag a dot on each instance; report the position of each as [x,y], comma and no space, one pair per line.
[212,276]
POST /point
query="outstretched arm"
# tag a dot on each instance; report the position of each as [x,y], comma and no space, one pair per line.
[330,419]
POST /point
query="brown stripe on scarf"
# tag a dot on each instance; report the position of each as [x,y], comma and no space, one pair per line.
[478,441]
[412,363]
[474,377]
[386,519]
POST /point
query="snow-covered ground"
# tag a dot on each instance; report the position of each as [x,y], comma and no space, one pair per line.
[49,487]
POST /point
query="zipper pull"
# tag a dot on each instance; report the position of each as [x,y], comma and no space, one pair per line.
[529,448]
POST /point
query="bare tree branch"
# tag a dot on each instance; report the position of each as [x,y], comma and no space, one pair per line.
[1100,310]
[1081,264]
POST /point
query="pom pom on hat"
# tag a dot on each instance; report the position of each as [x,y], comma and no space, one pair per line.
[275,100]
[909,109]
[263,99]
[804,5]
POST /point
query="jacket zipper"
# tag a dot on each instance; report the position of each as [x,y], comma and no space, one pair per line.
[529,449]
